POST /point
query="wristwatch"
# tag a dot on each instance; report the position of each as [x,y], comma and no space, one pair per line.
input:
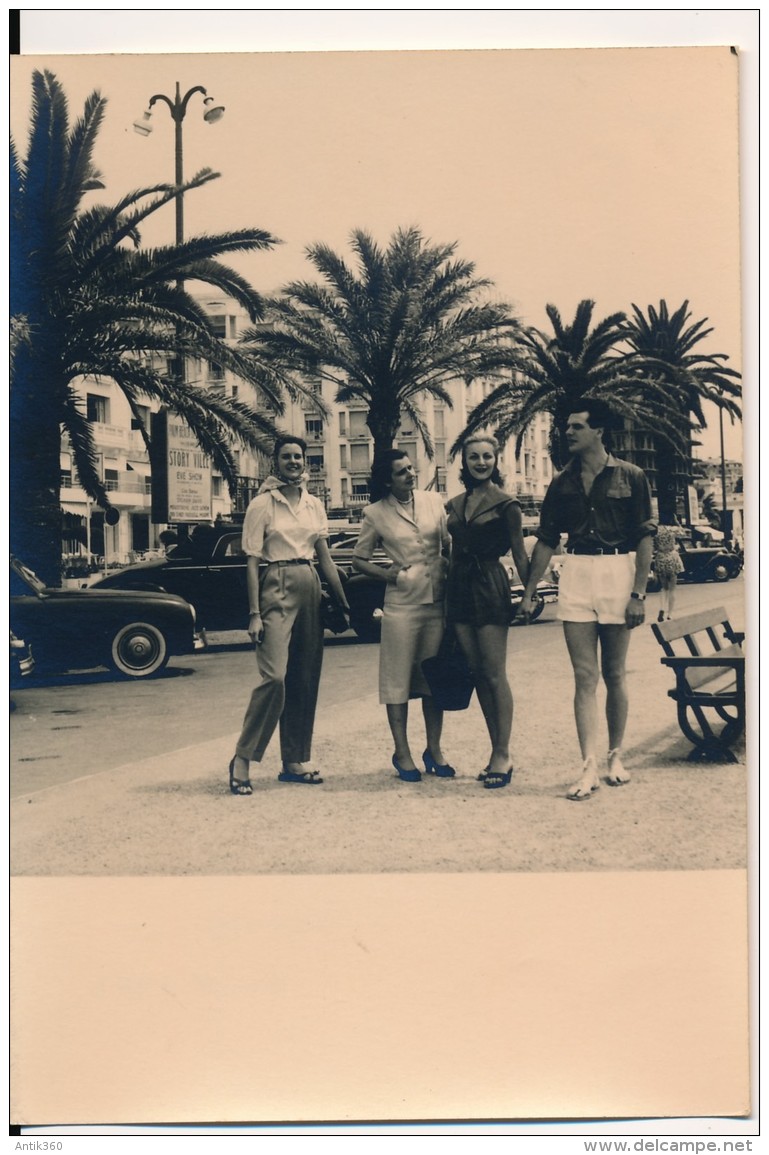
[638,597]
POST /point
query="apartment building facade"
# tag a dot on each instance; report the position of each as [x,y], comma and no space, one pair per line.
[339,455]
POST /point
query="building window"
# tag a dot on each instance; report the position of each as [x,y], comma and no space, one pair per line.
[215,373]
[97,408]
[315,462]
[218,326]
[342,424]
[440,454]
[358,426]
[343,456]
[110,479]
[233,327]
[439,423]
[313,428]
[359,458]
[216,486]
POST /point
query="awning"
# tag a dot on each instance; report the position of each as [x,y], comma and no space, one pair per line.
[142,467]
[79,510]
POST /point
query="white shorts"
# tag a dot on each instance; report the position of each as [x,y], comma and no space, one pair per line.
[595,588]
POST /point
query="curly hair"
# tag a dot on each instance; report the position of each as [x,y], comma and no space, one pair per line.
[382,471]
[465,476]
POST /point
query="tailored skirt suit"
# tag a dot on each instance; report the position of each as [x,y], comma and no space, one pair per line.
[290,656]
[414,607]
[478,587]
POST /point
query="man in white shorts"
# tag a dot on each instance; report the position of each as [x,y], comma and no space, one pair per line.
[604,505]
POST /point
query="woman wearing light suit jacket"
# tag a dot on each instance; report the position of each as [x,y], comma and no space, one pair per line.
[410,525]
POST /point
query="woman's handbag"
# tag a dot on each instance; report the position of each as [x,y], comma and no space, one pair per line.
[448,675]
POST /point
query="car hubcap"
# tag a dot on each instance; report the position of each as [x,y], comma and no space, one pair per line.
[139,650]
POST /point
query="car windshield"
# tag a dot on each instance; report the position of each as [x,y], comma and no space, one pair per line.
[28,577]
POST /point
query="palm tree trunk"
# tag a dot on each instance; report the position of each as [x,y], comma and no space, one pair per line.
[35,473]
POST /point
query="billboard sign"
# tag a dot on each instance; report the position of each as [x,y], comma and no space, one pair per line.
[181,472]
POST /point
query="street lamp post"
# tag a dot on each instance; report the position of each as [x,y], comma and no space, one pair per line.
[178,109]
[725,527]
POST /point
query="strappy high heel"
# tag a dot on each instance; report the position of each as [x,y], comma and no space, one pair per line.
[239,785]
[495,779]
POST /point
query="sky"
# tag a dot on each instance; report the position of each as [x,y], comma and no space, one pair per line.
[607,173]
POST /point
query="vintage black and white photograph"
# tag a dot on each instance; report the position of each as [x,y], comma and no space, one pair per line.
[378,516]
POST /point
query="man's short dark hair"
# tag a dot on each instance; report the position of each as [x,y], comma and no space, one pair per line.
[599,415]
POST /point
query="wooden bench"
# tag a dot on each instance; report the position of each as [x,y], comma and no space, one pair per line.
[706,655]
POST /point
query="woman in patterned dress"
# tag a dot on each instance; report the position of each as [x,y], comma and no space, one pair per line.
[485,523]
[667,567]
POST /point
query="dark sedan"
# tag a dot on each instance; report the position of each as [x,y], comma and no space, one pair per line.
[209,570]
[134,633]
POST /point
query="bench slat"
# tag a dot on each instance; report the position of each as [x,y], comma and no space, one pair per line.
[697,623]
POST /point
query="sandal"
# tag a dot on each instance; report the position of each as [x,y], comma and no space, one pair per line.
[482,776]
[306,777]
[432,767]
[239,785]
[494,779]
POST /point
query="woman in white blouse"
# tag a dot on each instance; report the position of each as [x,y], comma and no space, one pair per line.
[410,525]
[284,533]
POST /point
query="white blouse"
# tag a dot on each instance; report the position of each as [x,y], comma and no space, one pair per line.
[274,530]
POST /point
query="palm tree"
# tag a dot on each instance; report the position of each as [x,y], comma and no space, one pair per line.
[86,299]
[665,342]
[554,374]
[406,321]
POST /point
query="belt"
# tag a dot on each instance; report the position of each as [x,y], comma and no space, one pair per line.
[292,561]
[598,550]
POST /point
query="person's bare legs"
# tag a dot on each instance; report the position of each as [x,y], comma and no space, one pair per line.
[614,646]
[397,717]
[673,582]
[582,644]
[485,648]
[468,640]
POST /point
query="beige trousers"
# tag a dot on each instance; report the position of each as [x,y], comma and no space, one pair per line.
[289,661]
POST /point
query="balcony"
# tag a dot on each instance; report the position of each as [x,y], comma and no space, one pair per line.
[356,500]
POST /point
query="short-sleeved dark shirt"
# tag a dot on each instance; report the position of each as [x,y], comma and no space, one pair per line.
[616,513]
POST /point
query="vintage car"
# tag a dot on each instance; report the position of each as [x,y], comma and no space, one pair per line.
[702,563]
[134,633]
[210,572]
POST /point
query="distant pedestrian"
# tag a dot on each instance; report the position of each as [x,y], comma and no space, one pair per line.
[410,525]
[604,505]
[485,523]
[284,533]
[667,567]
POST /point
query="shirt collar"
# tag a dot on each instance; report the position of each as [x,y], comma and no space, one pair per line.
[574,464]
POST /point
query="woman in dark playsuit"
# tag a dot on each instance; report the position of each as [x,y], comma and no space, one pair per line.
[485,523]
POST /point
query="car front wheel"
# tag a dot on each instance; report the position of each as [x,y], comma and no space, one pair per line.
[139,649]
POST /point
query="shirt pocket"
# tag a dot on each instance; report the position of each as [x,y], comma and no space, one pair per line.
[619,488]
